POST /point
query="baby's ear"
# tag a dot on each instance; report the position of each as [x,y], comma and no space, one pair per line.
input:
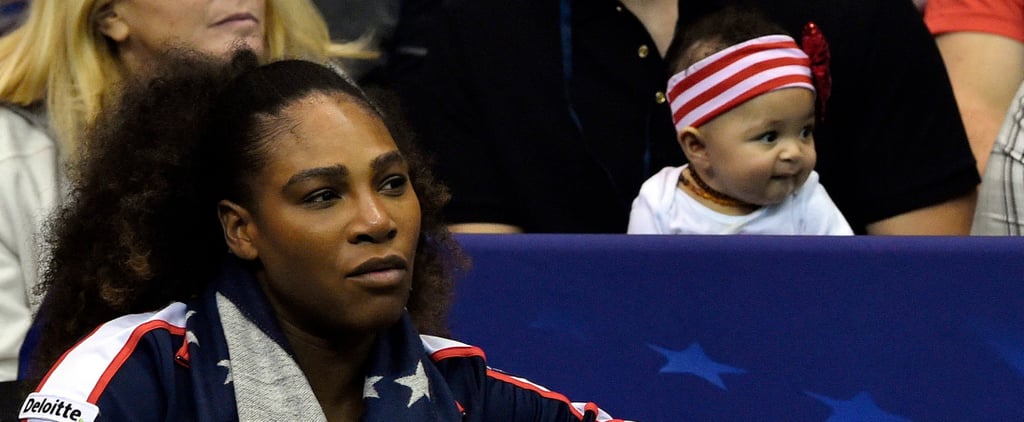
[239,231]
[692,143]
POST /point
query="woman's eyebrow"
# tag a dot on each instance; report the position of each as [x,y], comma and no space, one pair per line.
[338,172]
[383,161]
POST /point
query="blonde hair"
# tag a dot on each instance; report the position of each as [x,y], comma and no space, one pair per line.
[58,55]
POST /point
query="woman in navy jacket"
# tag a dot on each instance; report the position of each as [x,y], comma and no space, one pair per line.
[329,300]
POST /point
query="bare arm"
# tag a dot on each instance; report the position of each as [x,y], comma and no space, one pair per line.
[952,217]
[985,70]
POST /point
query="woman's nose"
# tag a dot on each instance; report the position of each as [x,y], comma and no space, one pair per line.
[372,223]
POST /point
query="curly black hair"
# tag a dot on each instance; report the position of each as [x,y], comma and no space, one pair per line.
[714,32]
[141,229]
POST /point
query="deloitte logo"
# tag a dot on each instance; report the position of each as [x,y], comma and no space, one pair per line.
[57,409]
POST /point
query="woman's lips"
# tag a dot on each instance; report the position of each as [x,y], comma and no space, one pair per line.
[238,19]
[380,278]
[384,271]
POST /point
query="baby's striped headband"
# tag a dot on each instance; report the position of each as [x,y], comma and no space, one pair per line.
[730,77]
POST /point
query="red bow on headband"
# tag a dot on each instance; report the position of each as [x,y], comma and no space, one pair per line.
[813,43]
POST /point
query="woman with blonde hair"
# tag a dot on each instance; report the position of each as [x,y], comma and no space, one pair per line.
[61,67]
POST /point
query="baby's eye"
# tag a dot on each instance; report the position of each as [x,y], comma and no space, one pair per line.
[807,132]
[768,137]
[394,185]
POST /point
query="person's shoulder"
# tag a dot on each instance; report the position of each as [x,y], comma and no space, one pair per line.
[811,188]
[651,206]
[440,348]
[84,372]
[813,179]
[663,183]
[838,20]
[450,353]
[465,369]
[24,134]
[823,216]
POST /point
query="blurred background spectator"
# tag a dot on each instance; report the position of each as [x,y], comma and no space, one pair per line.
[982,45]
[391,28]
[374,22]
[11,12]
[1000,209]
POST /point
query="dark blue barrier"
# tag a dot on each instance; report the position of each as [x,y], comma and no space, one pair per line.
[661,328]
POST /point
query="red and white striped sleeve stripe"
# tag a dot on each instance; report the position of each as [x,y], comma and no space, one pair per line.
[439,348]
[83,372]
[736,74]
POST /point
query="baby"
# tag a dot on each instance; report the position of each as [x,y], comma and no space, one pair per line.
[743,102]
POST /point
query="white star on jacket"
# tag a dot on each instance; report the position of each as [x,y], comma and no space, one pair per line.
[369,389]
[226,364]
[190,337]
[418,383]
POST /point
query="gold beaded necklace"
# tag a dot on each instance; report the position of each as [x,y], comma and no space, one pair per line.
[701,189]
